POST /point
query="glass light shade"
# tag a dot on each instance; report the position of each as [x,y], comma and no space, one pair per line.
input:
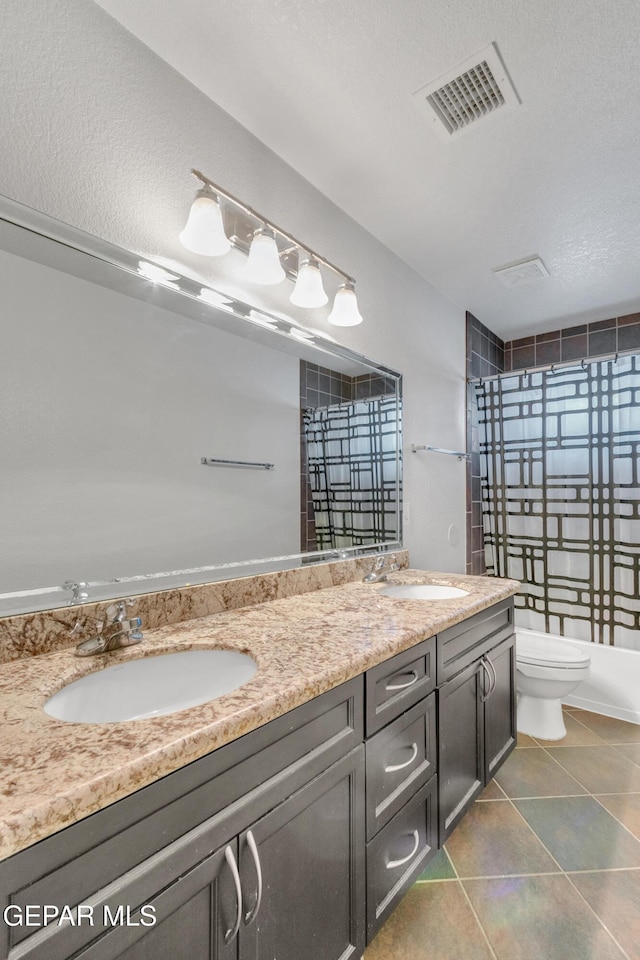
[309,291]
[345,311]
[263,265]
[204,230]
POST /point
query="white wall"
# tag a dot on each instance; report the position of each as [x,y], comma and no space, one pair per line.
[107,405]
[101,133]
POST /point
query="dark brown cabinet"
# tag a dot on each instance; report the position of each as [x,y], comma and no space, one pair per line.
[254,852]
[296,840]
[476,709]
[402,799]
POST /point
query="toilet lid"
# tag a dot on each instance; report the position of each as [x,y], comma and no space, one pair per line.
[547,652]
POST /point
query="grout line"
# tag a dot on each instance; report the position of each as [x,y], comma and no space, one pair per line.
[606,809]
[477,919]
[600,921]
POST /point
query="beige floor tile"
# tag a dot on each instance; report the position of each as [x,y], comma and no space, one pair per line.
[524,740]
[538,918]
[493,840]
[625,808]
[609,728]
[580,833]
[492,791]
[577,735]
[599,769]
[630,750]
[535,773]
[615,898]
[433,922]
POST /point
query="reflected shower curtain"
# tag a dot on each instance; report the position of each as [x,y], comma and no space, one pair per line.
[353,471]
[560,465]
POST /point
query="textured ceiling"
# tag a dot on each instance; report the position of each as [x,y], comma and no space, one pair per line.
[328,86]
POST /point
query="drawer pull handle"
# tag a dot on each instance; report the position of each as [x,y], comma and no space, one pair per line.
[250,915]
[231,860]
[392,864]
[486,693]
[402,686]
[392,768]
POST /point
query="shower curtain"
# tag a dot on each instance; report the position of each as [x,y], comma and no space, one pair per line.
[560,465]
[353,469]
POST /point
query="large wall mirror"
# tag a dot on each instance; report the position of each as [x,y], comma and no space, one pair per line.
[152,438]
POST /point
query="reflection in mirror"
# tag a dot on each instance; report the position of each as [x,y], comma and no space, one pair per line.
[120,397]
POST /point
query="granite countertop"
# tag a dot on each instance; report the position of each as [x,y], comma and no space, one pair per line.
[55,773]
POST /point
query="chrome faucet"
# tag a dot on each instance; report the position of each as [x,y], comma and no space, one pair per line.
[381,570]
[117,632]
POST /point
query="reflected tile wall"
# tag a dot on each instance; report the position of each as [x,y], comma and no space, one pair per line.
[485,357]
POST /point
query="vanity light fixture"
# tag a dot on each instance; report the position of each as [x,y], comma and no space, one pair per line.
[309,291]
[263,265]
[268,246]
[204,229]
[151,271]
[345,311]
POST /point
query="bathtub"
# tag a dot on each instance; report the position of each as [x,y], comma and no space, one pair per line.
[613,684]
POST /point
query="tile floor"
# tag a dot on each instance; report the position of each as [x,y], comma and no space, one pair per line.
[545,865]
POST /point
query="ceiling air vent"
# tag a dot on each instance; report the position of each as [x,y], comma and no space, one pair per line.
[470,93]
[525,271]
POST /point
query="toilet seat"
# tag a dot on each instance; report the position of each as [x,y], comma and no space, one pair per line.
[544,652]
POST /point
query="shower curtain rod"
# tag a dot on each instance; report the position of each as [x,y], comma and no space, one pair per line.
[602,358]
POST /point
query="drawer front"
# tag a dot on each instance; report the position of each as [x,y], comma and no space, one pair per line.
[399,854]
[468,641]
[395,685]
[400,759]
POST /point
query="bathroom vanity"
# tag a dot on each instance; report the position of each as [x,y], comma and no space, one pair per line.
[298,838]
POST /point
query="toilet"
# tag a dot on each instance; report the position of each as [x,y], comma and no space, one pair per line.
[548,669]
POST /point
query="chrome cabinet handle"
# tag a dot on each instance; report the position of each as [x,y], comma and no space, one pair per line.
[231,860]
[403,686]
[486,693]
[494,684]
[392,768]
[392,864]
[250,915]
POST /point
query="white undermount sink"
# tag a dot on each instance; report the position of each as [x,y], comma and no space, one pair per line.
[152,686]
[423,591]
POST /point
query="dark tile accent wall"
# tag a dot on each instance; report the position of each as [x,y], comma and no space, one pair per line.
[581,342]
[320,387]
[485,357]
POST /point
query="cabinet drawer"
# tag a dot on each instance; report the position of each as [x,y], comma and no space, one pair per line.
[399,759]
[398,683]
[468,641]
[399,854]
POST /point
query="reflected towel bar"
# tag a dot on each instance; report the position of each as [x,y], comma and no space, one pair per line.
[450,453]
[212,462]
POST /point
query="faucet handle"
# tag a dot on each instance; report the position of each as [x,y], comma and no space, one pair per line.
[117,611]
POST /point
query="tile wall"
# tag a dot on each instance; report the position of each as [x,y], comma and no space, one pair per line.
[485,357]
[320,387]
[574,343]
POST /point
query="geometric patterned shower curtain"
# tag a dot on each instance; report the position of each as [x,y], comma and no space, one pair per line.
[560,465]
[354,473]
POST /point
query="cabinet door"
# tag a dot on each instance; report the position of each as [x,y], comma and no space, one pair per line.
[500,708]
[196,918]
[461,745]
[302,868]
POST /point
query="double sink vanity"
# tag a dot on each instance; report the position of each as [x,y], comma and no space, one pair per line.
[283,819]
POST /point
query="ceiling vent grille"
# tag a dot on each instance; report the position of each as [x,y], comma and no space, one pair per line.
[525,271]
[470,93]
